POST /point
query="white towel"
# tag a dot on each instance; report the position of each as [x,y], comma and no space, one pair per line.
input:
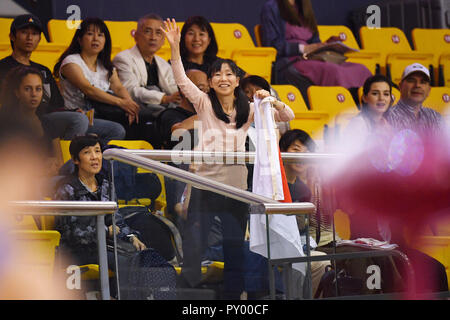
[284,236]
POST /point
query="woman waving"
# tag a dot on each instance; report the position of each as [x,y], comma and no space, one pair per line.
[225,115]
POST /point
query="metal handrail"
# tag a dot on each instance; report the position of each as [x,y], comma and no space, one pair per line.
[260,204]
[188,156]
[64,208]
[269,206]
[76,208]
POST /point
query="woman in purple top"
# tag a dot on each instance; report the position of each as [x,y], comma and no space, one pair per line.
[290,27]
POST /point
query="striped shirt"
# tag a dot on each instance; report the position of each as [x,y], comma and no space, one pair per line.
[401,116]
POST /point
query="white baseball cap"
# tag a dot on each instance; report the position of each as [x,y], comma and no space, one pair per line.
[415,67]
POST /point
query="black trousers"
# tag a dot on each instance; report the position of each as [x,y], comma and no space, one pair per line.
[203,207]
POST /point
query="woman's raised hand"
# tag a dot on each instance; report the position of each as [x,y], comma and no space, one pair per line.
[172,32]
[261,94]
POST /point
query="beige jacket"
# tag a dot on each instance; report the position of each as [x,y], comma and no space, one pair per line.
[133,75]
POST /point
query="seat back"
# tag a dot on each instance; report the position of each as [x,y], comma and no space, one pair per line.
[258,36]
[444,62]
[438,99]
[121,33]
[343,32]
[62,31]
[437,40]
[338,103]
[333,100]
[291,96]
[65,144]
[384,40]
[387,39]
[5,49]
[34,251]
[230,36]
[132,144]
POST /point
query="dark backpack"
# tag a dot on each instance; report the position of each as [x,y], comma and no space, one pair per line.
[150,277]
[155,231]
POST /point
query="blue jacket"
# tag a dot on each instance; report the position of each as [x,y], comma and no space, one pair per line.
[273,31]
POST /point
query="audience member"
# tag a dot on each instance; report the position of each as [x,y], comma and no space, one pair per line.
[79,234]
[299,141]
[198,45]
[377,99]
[21,96]
[147,77]
[88,80]
[25,35]
[409,112]
[253,83]
[226,116]
[290,26]
[183,116]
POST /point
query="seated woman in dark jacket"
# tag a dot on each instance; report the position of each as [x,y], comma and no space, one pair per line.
[79,234]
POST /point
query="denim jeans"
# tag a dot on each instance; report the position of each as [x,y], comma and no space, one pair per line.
[65,124]
[107,130]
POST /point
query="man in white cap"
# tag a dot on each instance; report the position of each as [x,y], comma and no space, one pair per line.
[409,113]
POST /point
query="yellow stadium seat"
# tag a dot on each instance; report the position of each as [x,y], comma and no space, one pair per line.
[132,144]
[437,40]
[438,99]
[5,50]
[122,33]
[444,62]
[310,121]
[395,93]
[23,222]
[257,30]
[368,58]
[35,251]
[234,42]
[48,54]
[338,103]
[5,26]
[291,96]
[61,33]
[342,224]
[65,150]
[394,48]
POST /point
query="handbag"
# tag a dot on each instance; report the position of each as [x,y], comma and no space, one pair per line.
[328,56]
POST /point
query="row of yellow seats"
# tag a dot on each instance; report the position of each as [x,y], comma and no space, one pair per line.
[234,42]
[334,106]
[389,47]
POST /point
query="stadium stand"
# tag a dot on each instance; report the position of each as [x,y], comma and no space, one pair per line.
[396,53]
[310,121]
[437,40]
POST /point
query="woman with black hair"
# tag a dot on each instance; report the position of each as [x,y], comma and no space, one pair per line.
[21,95]
[225,116]
[198,45]
[88,79]
[377,99]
